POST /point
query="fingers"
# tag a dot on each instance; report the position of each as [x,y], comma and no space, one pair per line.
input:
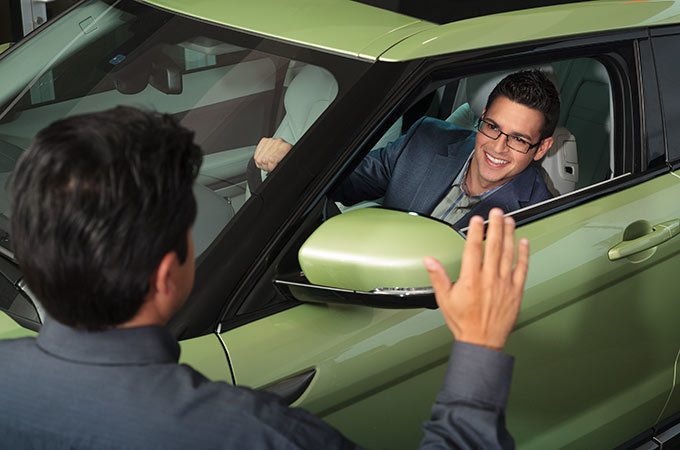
[441,283]
[269,152]
[472,253]
[519,276]
[508,252]
[494,243]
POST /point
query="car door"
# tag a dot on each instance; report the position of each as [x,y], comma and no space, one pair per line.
[664,43]
[593,366]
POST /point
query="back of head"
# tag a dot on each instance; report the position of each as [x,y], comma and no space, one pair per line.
[96,202]
[531,88]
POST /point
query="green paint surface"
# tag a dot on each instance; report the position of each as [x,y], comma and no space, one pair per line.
[340,26]
[372,248]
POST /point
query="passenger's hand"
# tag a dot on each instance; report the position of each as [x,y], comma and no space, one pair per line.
[269,152]
[482,306]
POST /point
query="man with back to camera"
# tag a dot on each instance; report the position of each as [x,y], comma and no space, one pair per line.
[451,173]
[101,214]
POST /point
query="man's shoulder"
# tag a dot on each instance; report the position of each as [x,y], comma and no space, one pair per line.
[430,135]
[527,188]
[17,347]
[433,125]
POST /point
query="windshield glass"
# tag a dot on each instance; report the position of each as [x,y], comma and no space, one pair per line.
[231,88]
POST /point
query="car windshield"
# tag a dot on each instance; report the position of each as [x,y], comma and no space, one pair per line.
[230,88]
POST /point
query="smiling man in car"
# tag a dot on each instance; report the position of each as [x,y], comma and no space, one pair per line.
[451,173]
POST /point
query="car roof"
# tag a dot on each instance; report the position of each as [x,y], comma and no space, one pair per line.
[339,26]
[364,31]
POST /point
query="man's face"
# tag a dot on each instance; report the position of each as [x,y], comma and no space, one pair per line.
[493,162]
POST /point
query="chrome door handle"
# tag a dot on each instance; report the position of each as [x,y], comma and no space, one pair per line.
[660,233]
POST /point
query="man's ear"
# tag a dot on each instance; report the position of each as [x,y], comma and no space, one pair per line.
[161,280]
[543,148]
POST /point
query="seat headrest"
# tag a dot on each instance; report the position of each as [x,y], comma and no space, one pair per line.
[479,87]
[308,95]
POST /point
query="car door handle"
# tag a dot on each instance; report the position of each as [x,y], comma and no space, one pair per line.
[660,233]
[290,389]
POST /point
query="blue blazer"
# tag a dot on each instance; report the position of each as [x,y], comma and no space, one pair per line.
[416,171]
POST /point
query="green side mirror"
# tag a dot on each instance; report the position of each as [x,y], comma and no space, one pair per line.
[374,257]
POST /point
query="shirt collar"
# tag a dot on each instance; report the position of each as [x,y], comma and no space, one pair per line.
[139,345]
[459,181]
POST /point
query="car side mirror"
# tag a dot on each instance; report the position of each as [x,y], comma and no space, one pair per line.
[373,257]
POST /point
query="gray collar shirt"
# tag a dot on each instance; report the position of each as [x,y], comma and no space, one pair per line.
[124,389]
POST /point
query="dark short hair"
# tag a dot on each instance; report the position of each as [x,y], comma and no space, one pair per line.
[95,203]
[531,88]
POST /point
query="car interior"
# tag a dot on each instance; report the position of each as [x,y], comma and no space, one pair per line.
[582,153]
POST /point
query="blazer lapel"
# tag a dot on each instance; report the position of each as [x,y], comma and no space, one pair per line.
[439,176]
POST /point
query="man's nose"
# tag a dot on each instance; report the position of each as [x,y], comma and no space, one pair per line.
[500,144]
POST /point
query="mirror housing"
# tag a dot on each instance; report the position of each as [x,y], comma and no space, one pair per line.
[374,257]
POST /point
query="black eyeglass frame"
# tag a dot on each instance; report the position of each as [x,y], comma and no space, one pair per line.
[507,144]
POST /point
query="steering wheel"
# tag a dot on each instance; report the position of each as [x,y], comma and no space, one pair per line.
[253,176]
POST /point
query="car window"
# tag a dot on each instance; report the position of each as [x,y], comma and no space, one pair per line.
[230,88]
[582,154]
[668,67]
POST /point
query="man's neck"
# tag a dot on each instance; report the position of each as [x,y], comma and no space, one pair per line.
[147,315]
[474,185]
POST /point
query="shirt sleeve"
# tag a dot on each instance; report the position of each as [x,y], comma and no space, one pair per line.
[469,411]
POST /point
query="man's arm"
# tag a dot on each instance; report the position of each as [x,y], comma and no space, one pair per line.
[480,309]
[368,181]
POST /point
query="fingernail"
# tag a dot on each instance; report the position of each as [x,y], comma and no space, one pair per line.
[476,219]
[496,212]
[429,263]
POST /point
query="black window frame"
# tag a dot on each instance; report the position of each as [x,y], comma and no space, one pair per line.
[655,34]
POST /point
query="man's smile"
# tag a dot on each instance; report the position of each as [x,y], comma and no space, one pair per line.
[495,161]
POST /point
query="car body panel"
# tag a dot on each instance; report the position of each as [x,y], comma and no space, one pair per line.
[593,343]
[340,26]
[352,348]
[9,329]
[533,24]
[206,354]
[577,323]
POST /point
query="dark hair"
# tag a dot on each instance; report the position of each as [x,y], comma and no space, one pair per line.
[96,202]
[534,89]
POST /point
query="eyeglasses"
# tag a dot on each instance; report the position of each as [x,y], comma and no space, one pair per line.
[515,143]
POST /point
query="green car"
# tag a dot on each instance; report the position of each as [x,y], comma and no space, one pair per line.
[329,306]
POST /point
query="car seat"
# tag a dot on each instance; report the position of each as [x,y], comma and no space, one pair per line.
[586,112]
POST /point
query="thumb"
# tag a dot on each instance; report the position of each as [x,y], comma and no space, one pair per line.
[441,283]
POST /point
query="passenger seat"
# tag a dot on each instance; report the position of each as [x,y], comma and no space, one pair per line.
[585,93]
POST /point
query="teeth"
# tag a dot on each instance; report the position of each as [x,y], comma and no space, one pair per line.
[495,160]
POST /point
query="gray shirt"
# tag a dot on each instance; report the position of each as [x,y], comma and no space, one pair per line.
[124,388]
